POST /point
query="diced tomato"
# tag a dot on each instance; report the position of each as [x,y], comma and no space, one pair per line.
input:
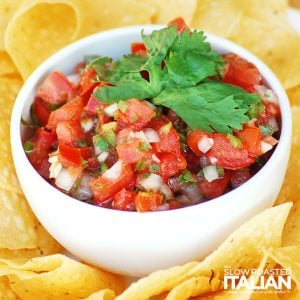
[92,164]
[173,204]
[134,151]
[71,156]
[123,136]
[147,201]
[70,111]
[94,105]
[241,73]
[271,109]
[124,200]
[227,155]
[251,138]
[138,48]
[43,144]
[105,188]
[79,68]
[239,177]
[170,164]
[180,23]
[56,89]
[214,188]
[194,138]
[168,141]
[136,116]
[41,110]
[68,133]
[103,118]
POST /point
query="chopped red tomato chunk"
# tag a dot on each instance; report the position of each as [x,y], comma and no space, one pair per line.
[170,164]
[43,142]
[241,73]
[71,156]
[70,111]
[41,110]
[105,188]
[56,89]
[251,139]
[138,48]
[135,115]
[124,200]
[148,201]
[180,23]
[69,133]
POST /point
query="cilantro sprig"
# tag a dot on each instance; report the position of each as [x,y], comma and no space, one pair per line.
[180,68]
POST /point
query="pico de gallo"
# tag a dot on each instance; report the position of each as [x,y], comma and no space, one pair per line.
[170,125]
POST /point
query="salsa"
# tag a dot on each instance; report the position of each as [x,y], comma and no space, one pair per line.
[170,125]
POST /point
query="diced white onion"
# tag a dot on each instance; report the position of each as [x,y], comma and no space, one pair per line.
[65,180]
[265,147]
[115,171]
[272,122]
[55,166]
[102,157]
[266,93]
[205,143]
[213,160]
[97,150]
[165,189]
[163,207]
[111,109]
[152,183]
[151,105]
[86,124]
[140,135]
[252,122]
[210,173]
[151,135]
[74,78]
[155,158]
[270,140]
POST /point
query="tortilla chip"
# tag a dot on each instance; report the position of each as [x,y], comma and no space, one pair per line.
[290,190]
[38,30]
[244,247]
[6,64]
[7,10]
[228,14]
[169,10]
[102,295]
[294,95]
[288,258]
[57,277]
[156,283]
[193,287]
[98,15]
[295,3]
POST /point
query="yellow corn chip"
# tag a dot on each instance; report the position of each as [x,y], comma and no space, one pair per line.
[6,293]
[38,30]
[57,277]
[156,283]
[294,95]
[243,248]
[102,295]
[6,64]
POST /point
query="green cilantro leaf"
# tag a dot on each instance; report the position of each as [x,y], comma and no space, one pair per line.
[201,107]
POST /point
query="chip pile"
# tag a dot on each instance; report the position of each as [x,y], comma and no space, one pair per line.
[32,263]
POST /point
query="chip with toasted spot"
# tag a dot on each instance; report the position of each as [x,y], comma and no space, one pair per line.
[58,277]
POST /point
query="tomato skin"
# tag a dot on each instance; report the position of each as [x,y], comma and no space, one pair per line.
[170,164]
[87,84]
[173,204]
[136,116]
[105,188]
[138,48]
[131,152]
[70,111]
[227,155]
[241,73]
[194,138]
[147,201]
[180,23]
[124,200]
[56,89]
[214,188]
[271,109]
[42,110]
[94,105]
[73,157]
[168,141]
[239,177]
[68,133]
[251,138]
[43,142]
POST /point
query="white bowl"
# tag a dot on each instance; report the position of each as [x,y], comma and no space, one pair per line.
[138,243]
